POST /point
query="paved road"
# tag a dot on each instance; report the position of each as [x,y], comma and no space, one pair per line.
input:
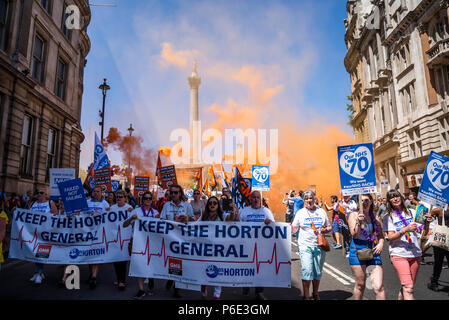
[336,284]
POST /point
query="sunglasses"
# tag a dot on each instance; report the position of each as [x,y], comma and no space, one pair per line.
[214,203]
[146,198]
[196,194]
[41,192]
[120,197]
[174,192]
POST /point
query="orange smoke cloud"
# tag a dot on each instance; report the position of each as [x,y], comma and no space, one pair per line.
[142,160]
[166,151]
[307,152]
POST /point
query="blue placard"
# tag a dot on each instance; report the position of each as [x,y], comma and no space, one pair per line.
[73,196]
[434,187]
[356,164]
[260,178]
[115,184]
[58,175]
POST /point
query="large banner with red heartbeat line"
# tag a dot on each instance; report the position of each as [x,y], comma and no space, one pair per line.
[80,239]
[228,254]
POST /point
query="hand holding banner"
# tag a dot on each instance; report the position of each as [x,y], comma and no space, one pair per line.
[242,254]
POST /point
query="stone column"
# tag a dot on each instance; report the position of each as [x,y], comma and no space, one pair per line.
[371,123]
[194,82]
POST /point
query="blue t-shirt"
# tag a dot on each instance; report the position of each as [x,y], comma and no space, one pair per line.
[299,204]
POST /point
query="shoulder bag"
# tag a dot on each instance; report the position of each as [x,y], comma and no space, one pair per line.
[322,242]
[439,236]
[364,254]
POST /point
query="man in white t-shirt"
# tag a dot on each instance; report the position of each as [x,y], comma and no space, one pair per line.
[177,209]
[256,213]
[97,204]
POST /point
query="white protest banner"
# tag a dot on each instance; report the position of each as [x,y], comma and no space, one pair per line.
[58,175]
[229,254]
[79,239]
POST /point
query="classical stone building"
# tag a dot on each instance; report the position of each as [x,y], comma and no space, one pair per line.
[42,60]
[403,49]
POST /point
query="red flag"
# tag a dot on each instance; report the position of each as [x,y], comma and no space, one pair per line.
[158,167]
[90,176]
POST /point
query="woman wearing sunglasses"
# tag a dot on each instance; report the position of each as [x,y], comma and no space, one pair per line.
[212,212]
[145,210]
[403,233]
[121,266]
[198,204]
[366,233]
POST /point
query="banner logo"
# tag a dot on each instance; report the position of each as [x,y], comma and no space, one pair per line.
[438,173]
[75,253]
[175,266]
[212,271]
[43,251]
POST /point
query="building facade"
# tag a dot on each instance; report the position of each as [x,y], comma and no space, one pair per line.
[42,60]
[403,49]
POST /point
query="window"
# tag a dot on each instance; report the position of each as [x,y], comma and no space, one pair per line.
[415,145]
[46,5]
[409,104]
[51,150]
[38,59]
[61,78]
[444,131]
[4,12]
[64,28]
[26,147]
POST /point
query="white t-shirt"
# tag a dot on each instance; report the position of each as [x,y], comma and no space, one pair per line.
[352,207]
[43,207]
[171,210]
[249,214]
[97,206]
[307,236]
[141,212]
[116,208]
[401,247]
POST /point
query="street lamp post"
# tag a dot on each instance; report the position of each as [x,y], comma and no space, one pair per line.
[130,130]
[104,88]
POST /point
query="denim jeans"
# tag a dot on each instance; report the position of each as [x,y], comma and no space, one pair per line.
[38,267]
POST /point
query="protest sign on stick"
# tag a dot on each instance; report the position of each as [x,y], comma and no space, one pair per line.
[141,184]
[168,176]
[73,197]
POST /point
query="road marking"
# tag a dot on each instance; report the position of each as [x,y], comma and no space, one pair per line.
[350,279]
[294,243]
[336,276]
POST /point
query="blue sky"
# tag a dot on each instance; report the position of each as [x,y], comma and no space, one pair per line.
[281,60]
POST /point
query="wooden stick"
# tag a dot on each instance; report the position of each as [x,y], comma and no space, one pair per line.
[424,233]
